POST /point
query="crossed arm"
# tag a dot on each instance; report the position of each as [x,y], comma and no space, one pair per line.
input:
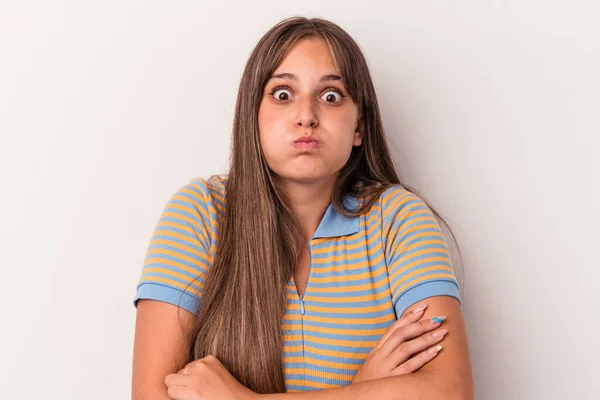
[448,376]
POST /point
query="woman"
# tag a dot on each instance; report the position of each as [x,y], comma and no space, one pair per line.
[301,268]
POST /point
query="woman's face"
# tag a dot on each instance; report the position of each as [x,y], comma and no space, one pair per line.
[309,102]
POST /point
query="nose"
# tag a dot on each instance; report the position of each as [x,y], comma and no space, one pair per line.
[306,114]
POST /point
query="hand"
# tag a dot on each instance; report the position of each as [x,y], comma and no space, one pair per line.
[391,356]
[206,379]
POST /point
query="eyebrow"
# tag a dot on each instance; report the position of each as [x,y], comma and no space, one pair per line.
[288,75]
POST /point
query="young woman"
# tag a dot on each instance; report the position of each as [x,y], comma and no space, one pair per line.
[309,270]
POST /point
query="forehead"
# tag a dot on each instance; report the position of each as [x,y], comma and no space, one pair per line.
[307,57]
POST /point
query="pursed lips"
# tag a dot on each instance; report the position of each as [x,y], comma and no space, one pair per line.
[306,143]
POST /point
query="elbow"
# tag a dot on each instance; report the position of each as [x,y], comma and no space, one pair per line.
[458,392]
[454,389]
[459,396]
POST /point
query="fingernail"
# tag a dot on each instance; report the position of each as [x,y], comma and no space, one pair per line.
[419,309]
[439,319]
[434,350]
[439,334]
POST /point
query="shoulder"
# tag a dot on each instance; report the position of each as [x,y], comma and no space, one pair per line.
[183,244]
[198,204]
[204,189]
[203,193]
[396,199]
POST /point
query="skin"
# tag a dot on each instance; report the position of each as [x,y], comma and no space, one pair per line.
[307,107]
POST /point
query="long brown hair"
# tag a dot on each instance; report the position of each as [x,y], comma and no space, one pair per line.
[243,301]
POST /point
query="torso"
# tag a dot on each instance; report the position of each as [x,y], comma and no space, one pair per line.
[337,307]
[350,284]
[341,298]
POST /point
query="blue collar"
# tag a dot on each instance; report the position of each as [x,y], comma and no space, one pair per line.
[334,224]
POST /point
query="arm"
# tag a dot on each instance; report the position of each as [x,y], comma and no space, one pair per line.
[168,293]
[448,376]
[160,347]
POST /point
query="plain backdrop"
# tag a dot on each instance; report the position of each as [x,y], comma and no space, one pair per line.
[108,107]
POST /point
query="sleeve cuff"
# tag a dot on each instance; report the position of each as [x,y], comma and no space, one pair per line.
[167,294]
[425,290]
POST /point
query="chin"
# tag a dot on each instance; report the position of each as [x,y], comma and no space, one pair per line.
[299,176]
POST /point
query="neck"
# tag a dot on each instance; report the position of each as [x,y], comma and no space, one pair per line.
[309,201]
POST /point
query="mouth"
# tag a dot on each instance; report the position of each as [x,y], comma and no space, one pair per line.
[306,143]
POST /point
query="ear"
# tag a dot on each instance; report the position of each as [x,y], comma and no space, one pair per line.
[359,132]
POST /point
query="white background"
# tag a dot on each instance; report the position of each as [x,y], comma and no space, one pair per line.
[108,107]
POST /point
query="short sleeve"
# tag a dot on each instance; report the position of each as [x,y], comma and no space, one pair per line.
[417,255]
[179,253]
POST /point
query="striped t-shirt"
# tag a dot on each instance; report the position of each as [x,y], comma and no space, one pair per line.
[364,273]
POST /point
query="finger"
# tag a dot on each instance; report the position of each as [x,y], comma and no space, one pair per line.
[411,347]
[177,379]
[410,331]
[190,366]
[417,361]
[177,392]
[409,318]
[210,359]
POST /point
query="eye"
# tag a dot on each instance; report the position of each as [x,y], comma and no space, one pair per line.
[275,93]
[331,93]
